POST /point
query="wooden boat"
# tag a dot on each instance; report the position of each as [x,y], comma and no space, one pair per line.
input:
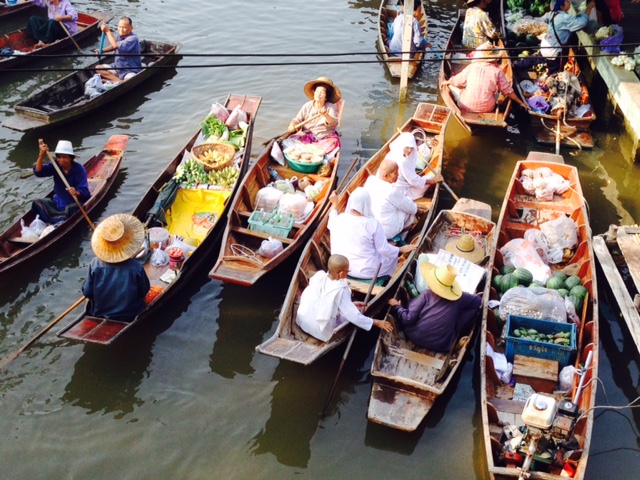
[66,100]
[289,341]
[105,331]
[387,14]
[102,170]
[618,253]
[453,63]
[20,42]
[503,406]
[407,380]
[6,10]
[238,261]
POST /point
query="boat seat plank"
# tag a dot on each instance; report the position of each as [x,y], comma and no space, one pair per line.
[255,233]
[96,330]
[397,408]
[417,357]
[293,350]
[630,247]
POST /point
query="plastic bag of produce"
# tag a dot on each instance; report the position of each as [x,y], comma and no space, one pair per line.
[276,153]
[270,248]
[538,303]
[293,203]
[267,198]
[27,233]
[237,115]
[612,44]
[539,241]
[561,232]
[37,226]
[565,379]
[219,111]
[522,254]
[159,258]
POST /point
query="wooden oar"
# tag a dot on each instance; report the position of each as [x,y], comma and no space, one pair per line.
[64,27]
[346,175]
[64,179]
[346,350]
[11,357]
[297,127]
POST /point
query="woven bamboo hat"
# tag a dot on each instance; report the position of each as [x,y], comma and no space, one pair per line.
[118,238]
[441,280]
[333,93]
[465,246]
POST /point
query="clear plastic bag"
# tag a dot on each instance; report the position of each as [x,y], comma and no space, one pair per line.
[159,258]
[522,254]
[220,112]
[538,303]
[27,233]
[293,203]
[267,198]
[270,248]
[566,377]
[37,225]
[276,153]
[237,115]
[560,232]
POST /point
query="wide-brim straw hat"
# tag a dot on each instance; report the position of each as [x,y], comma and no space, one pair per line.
[333,95]
[117,238]
[441,280]
[487,52]
[64,147]
[466,247]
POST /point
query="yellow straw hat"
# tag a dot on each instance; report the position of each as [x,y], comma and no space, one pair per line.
[333,93]
[117,238]
[466,247]
[441,280]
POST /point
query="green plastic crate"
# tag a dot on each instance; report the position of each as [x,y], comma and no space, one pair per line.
[271,223]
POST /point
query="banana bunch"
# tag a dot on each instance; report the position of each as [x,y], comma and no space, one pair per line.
[227,177]
[191,173]
[213,158]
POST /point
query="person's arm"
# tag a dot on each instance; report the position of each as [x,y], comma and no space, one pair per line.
[87,286]
[300,117]
[402,202]
[143,283]
[79,184]
[490,29]
[113,44]
[329,113]
[43,149]
[507,90]
[410,315]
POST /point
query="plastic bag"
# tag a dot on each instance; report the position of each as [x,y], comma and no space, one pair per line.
[293,203]
[37,225]
[560,232]
[237,115]
[285,186]
[47,230]
[612,44]
[565,379]
[159,258]
[270,248]
[26,233]
[220,112]
[267,198]
[539,242]
[522,254]
[540,303]
[178,242]
[276,153]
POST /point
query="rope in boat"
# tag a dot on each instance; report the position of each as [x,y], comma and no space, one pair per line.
[239,250]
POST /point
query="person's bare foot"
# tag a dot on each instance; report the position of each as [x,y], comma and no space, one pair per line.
[40,44]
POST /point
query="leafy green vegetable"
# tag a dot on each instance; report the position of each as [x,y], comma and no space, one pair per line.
[212,127]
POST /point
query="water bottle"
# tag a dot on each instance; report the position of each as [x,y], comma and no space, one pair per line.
[411,288]
[275,176]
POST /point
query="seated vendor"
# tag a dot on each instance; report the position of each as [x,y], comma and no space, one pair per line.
[317,120]
[326,303]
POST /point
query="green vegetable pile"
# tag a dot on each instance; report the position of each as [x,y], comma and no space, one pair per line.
[212,127]
[535,8]
[192,173]
[559,338]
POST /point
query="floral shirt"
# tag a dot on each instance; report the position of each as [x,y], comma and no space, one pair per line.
[478,28]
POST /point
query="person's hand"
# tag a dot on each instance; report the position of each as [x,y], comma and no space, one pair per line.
[360,305]
[383,325]
[333,199]
[104,28]
[72,191]
[408,248]
[291,129]
[322,110]
[437,179]
[57,18]
[44,148]
[394,302]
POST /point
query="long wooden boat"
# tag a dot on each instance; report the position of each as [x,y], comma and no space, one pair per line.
[289,341]
[23,45]
[105,331]
[66,100]
[407,380]
[102,170]
[503,406]
[386,15]
[618,252]
[7,10]
[239,261]
[453,63]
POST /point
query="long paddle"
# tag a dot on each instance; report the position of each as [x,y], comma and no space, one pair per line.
[346,350]
[102,44]
[11,357]
[297,127]
[64,179]
[64,27]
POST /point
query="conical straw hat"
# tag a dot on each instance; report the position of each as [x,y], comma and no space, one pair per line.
[118,238]
[333,93]
[441,280]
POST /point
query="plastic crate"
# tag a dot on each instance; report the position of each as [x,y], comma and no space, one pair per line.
[276,224]
[533,348]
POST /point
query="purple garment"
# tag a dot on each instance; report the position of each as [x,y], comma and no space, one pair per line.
[77,178]
[63,8]
[433,322]
[128,64]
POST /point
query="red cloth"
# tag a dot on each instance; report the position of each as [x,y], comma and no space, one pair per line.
[481,81]
[615,10]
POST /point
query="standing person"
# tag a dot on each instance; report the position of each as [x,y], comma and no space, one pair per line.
[50,30]
[357,235]
[476,88]
[128,61]
[393,209]
[418,42]
[320,115]
[404,151]
[478,27]
[62,205]
[436,317]
[326,303]
[117,283]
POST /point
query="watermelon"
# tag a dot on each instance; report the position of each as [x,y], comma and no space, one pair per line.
[524,276]
[561,275]
[532,40]
[508,281]
[579,291]
[572,281]
[577,303]
[555,283]
[497,279]
[563,292]
[507,269]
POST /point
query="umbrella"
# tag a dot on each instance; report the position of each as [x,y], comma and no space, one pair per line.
[166,196]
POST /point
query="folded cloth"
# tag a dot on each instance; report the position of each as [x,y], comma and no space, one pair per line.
[538,104]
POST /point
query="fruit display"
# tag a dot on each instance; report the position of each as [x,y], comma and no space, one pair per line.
[193,173]
[559,338]
[213,158]
[226,178]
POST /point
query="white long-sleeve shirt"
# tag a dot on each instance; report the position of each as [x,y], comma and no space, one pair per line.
[392,208]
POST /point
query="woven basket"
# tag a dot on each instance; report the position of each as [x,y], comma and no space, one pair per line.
[227,151]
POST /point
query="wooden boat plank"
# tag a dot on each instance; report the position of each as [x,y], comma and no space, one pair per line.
[7,10]
[397,408]
[630,247]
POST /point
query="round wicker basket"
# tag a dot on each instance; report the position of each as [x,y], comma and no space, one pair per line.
[227,152]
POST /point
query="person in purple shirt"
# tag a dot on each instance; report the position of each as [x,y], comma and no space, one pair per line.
[127,63]
[436,317]
[62,205]
[49,30]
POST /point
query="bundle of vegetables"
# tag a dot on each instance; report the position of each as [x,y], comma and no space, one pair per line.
[626,61]
[238,138]
[214,129]
[560,338]
[534,7]
[605,32]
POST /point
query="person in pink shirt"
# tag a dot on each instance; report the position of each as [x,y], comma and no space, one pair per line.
[476,88]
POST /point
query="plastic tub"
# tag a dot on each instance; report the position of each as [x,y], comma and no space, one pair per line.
[158,238]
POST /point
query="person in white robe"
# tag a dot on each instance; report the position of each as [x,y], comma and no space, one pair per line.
[394,210]
[326,303]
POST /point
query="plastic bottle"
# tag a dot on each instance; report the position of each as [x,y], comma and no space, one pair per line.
[411,288]
[275,176]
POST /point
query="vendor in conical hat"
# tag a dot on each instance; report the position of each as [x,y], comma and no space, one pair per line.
[317,120]
[435,319]
[117,283]
[466,247]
